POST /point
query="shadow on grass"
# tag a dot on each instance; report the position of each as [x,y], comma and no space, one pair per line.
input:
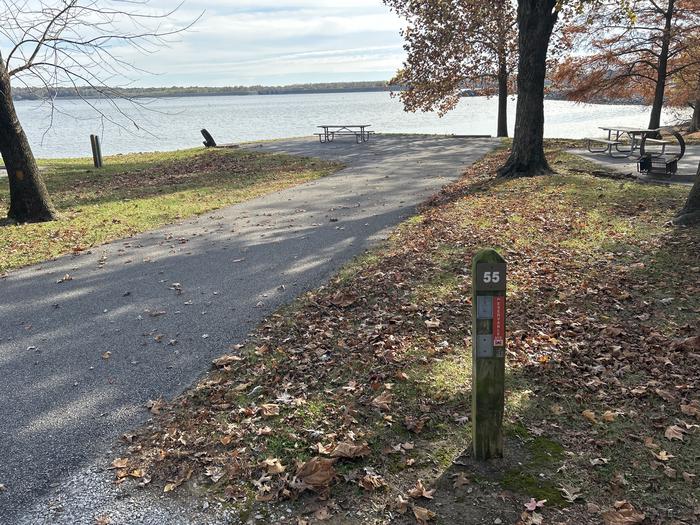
[74,182]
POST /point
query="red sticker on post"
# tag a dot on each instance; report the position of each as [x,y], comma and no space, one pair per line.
[499,320]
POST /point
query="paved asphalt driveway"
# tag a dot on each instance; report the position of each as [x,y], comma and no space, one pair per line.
[64,405]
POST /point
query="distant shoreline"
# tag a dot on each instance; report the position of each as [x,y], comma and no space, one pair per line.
[201,91]
[30,94]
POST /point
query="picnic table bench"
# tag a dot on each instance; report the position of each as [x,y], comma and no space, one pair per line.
[359,131]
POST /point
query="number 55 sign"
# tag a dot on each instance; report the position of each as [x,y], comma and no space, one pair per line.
[490,276]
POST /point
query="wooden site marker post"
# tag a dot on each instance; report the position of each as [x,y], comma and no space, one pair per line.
[488,353]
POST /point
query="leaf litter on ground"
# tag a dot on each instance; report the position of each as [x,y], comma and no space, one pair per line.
[365,357]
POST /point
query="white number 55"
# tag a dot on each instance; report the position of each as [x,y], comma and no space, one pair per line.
[492,277]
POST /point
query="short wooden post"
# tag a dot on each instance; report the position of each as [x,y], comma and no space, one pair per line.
[488,353]
[96,151]
[99,151]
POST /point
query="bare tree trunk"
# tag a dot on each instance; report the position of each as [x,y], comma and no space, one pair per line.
[502,99]
[690,214]
[695,120]
[29,199]
[661,70]
[536,19]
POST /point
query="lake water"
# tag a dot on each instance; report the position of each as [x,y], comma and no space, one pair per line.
[173,123]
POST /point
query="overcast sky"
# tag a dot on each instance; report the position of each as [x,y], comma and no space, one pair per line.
[244,42]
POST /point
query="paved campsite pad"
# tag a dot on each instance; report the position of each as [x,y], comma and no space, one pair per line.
[164,303]
[687,167]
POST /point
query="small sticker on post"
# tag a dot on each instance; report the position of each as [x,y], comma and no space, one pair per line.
[484,307]
[499,320]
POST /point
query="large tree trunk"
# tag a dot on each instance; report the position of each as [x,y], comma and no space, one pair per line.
[502,99]
[536,19]
[29,200]
[661,70]
[690,214]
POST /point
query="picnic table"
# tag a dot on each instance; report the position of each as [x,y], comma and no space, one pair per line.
[359,131]
[634,139]
[652,160]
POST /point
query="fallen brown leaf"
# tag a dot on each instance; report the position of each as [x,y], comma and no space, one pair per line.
[349,450]
[371,481]
[674,432]
[383,400]
[401,504]
[623,513]
[343,300]
[273,466]
[120,463]
[423,515]
[569,493]
[419,491]
[663,455]
[316,474]
[590,416]
[692,408]
[649,443]
[270,409]
[226,360]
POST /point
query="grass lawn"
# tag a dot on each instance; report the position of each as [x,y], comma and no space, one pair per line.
[352,404]
[139,192]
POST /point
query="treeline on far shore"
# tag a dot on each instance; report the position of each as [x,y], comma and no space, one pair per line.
[30,93]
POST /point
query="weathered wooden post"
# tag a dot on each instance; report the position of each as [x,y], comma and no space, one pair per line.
[96,151]
[488,353]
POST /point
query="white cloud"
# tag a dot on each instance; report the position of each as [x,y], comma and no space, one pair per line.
[276,42]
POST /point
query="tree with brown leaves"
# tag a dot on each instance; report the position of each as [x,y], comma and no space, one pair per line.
[618,56]
[685,89]
[64,43]
[455,45]
[536,20]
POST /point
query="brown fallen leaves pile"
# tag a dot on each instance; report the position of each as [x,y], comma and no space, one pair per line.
[348,386]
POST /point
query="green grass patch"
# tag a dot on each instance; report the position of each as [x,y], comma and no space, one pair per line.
[138,192]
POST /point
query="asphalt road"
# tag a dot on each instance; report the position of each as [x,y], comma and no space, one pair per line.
[164,303]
